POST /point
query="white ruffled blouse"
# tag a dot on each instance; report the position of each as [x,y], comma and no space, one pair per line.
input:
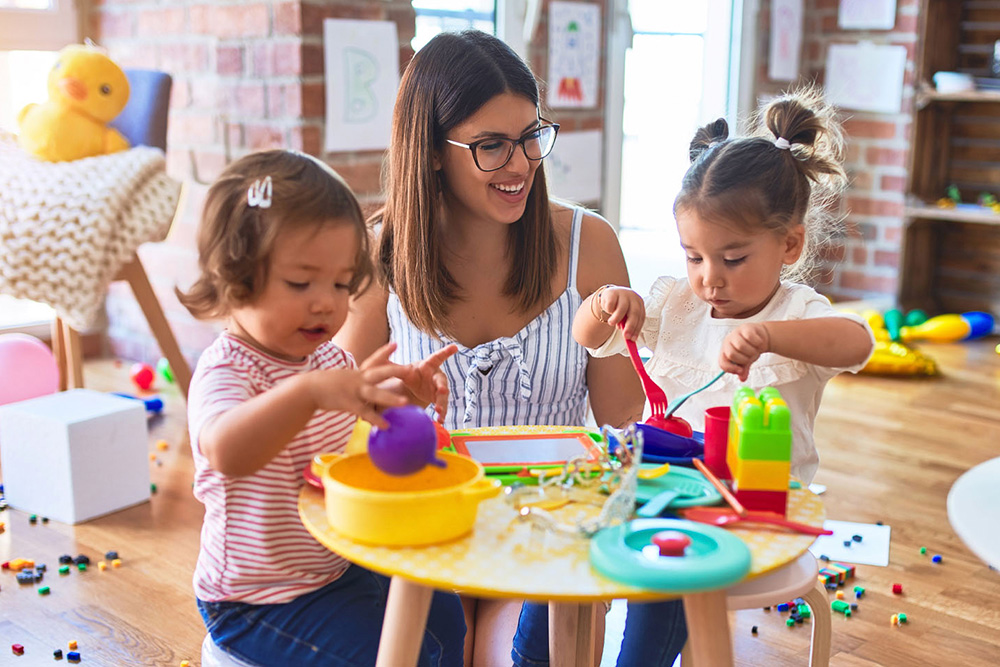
[685,341]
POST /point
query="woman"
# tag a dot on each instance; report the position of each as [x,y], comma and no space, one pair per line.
[471,250]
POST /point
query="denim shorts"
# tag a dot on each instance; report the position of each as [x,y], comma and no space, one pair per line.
[337,625]
[655,633]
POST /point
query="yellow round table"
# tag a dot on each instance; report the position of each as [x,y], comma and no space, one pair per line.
[504,557]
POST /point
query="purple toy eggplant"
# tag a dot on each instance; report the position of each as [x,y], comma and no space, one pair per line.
[409,444]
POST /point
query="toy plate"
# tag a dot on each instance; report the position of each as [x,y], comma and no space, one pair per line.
[677,476]
[658,442]
[715,558]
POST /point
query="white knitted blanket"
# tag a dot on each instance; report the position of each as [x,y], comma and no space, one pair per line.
[66,228]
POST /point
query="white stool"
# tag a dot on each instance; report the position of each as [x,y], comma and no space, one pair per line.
[797,579]
[213,656]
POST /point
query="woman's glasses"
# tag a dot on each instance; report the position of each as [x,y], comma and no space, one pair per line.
[493,153]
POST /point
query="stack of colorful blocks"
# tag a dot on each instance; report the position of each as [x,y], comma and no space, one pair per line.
[836,574]
[759,452]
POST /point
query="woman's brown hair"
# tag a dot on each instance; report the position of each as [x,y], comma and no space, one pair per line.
[236,238]
[447,81]
[790,173]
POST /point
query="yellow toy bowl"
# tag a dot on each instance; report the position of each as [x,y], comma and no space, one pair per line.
[432,506]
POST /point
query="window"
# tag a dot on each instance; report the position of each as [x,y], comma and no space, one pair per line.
[37,25]
[23,79]
[31,32]
[434,16]
[677,47]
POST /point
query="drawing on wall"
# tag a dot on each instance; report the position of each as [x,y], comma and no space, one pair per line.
[362,66]
[574,40]
[867,14]
[865,76]
[573,169]
[360,73]
[786,40]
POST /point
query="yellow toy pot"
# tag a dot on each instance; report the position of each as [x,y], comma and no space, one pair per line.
[431,506]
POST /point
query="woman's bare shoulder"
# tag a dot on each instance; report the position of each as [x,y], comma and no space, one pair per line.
[600,260]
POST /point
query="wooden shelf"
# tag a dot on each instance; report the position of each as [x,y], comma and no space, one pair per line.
[980,216]
[928,96]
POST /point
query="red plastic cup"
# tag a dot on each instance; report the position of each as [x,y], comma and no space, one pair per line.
[717,441]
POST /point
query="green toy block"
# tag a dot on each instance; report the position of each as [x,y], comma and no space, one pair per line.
[761,429]
[805,611]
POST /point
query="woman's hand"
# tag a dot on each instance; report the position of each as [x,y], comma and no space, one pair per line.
[742,347]
[426,383]
[622,304]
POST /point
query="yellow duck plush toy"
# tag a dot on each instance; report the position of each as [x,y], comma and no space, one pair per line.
[86,91]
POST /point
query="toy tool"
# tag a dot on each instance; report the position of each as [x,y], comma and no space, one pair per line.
[409,444]
[657,399]
[730,498]
[696,490]
[663,499]
[680,401]
[720,516]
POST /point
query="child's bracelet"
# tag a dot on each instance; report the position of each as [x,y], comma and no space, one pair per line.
[599,313]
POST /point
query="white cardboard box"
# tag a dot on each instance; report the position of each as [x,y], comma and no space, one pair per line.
[74,455]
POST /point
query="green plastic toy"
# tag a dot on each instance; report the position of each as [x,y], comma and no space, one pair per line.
[712,557]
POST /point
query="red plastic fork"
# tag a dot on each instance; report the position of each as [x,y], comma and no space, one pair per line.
[658,403]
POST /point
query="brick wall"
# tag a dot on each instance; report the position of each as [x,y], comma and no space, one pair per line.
[866,263]
[248,75]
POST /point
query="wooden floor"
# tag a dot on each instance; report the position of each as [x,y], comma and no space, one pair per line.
[890,448]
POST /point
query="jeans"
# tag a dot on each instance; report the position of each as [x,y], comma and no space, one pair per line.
[655,633]
[337,625]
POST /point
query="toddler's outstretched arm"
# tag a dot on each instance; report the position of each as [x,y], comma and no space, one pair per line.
[824,341]
[243,439]
[601,312]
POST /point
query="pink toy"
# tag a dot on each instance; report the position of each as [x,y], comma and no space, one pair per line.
[142,375]
[409,444]
[657,399]
[27,368]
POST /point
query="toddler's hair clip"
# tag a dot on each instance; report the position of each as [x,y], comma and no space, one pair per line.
[259,194]
[782,143]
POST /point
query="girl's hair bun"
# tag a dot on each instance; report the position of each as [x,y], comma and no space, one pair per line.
[708,136]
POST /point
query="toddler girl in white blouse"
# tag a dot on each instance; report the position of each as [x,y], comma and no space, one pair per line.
[750,214]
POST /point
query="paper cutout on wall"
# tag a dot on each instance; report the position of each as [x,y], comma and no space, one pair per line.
[573,169]
[867,14]
[865,76]
[574,43]
[786,40]
[362,75]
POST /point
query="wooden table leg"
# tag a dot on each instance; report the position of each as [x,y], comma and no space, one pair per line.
[74,357]
[405,620]
[59,352]
[571,636]
[709,640]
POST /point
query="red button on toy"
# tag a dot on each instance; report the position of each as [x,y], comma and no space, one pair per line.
[671,542]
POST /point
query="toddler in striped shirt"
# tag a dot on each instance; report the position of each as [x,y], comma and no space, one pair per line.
[282,247]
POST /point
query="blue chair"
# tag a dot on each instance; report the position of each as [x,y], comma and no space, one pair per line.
[143,121]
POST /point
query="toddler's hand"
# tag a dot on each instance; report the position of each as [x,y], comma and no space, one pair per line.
[358,390]
[425,382]
[623,304]
[742,347]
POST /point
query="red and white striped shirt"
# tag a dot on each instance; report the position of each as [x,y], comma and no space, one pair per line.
[254,547]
